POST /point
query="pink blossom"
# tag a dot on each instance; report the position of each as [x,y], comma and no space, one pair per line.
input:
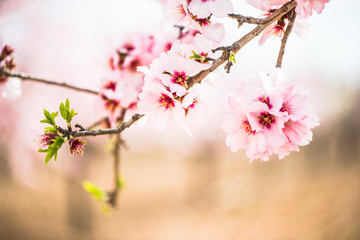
[11,88]
[267,5]
[179,11]
[166,95]
[160,105]
[305,8]
[275,29]
[204,8]
[273,108]
[76,146]
[47,138]
[240,134]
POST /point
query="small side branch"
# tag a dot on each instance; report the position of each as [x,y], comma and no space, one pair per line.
[114,194]
[99,122]
[244,19]
[24,77]
[292,16]
[236,46]
[107,131]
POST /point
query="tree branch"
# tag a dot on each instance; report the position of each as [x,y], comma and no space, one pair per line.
[236,46]
[292,16]
[113,195]
[245,19]
[107,131]
[24,77]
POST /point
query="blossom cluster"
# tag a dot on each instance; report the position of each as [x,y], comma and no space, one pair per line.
[268,116]
[196,14]
[120,89]
[303,9]
[166,96]
[11,87]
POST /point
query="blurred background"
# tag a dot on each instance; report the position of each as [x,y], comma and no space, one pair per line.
[177,186]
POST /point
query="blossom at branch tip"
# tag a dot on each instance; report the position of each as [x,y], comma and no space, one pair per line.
[46,139]
[269,116]
[305,8]
[205,8]
[179,11]
[10,86]
[166,95]
[76,146]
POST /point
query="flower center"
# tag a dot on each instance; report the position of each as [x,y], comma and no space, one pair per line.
[166,101]
[110,104]
[286,107]
[279,28]
[265,100]
[191,106]
[110,86]
[247,128]
[178,78]
[266,119]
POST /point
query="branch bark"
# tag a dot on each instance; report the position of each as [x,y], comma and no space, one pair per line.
[113,195]
[24,77]
[245,19]
[292,16]
[121,128]
[236,46]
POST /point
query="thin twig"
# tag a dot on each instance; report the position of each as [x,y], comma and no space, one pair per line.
[101,121]
[245,19]
[106,131]
[292,16]
[113,195]
[25,77]
[236,46]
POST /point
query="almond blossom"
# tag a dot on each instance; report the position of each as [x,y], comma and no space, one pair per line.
[11,87]
[305,8]
[269,116]
[120,88]
[204,8]
[76,146]
[166,95]
[181,11]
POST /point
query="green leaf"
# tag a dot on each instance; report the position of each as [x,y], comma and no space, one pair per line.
[64,112]
[42,150]
[53,149]
[95,191]
[67,104]
[106,209]
[50,129]
[232,57]
[120,183]
[49,118]
[195,55]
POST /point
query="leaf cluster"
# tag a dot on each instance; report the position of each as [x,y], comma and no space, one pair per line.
[67,114]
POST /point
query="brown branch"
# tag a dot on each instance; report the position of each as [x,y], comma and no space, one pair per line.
[106,131]
[292,16]
[113,195]
[245,19]
[24,77]
[101,121]
[236,46]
